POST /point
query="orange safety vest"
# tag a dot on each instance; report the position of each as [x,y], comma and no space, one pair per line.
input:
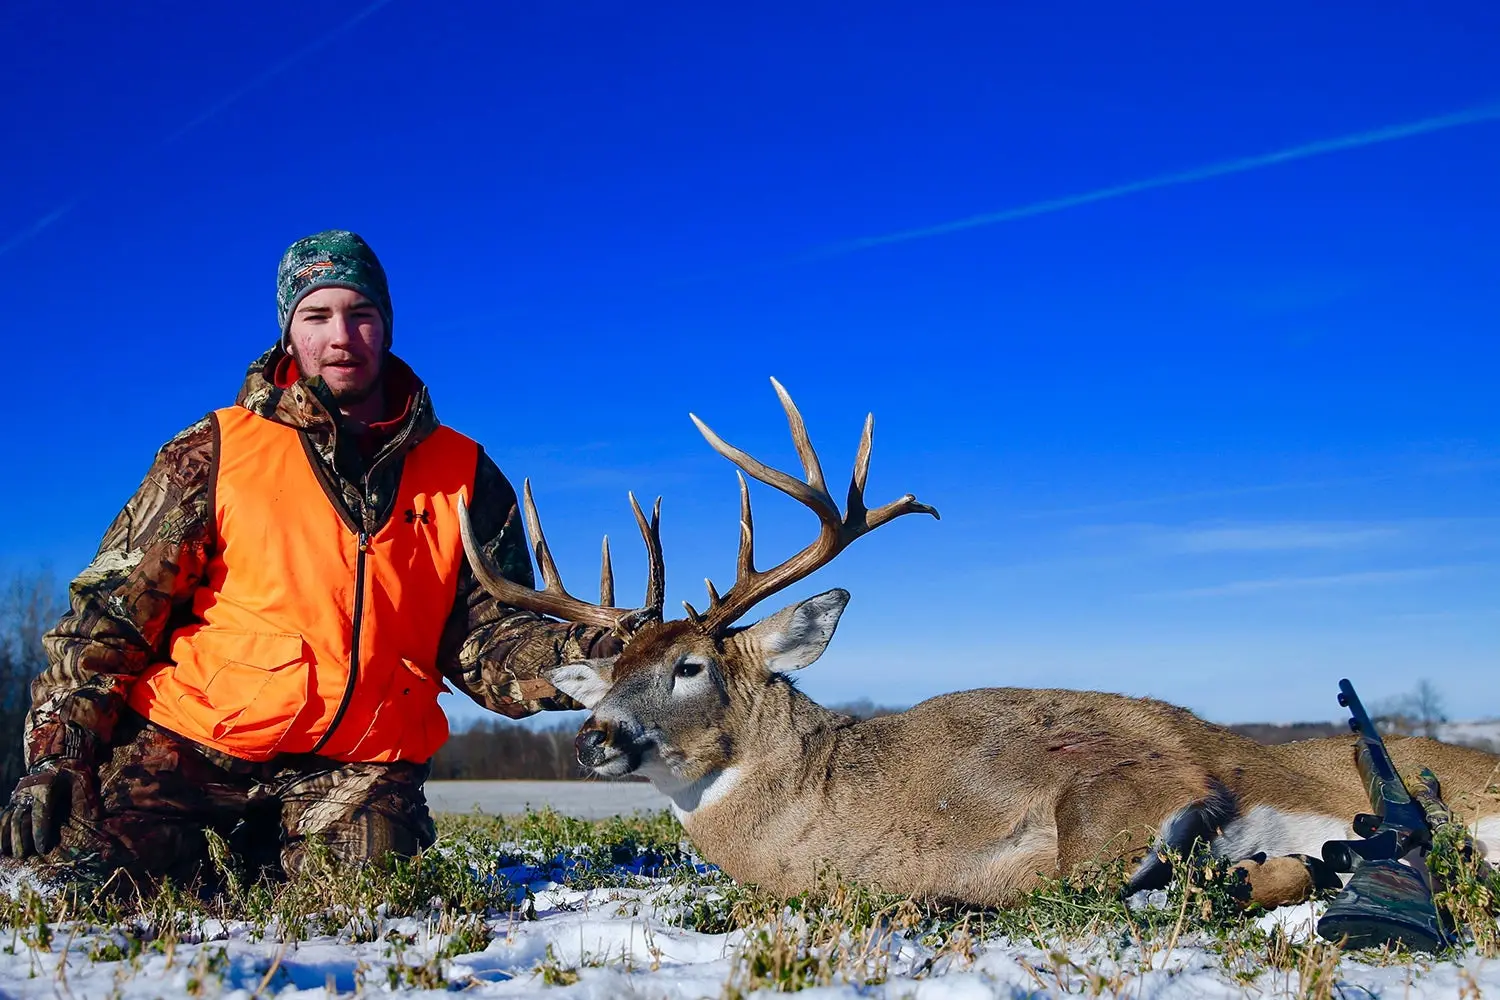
[316,637]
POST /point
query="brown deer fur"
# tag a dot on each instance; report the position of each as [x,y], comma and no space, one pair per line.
[971,796]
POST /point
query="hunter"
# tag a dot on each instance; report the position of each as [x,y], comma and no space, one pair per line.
[258,646]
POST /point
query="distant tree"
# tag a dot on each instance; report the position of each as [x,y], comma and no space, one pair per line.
[1271,732]
[864,708]
[1427,707]
[498,749]
[1420,712]
[30,603]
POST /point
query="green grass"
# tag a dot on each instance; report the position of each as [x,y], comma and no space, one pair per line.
[1079,934]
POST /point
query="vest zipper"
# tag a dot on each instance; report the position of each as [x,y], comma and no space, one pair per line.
[359,607]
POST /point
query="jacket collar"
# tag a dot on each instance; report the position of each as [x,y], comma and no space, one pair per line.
[307,404]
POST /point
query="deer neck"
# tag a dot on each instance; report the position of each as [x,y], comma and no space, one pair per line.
[778,739]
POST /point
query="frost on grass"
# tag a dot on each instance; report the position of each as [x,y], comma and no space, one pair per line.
[542,904]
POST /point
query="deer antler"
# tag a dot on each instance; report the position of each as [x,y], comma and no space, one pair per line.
[554,599]
[751,586]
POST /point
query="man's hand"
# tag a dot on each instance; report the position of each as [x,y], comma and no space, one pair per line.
[42,802]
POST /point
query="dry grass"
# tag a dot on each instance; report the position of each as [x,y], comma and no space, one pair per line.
[1075,936]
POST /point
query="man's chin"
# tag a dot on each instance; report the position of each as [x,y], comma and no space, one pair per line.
[351,395]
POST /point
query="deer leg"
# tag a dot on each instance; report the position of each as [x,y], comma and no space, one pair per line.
[1098,821]
[1285,881]
[1090,831]
[1199,820]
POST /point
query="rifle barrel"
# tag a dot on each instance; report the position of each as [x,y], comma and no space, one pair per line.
[1388,795]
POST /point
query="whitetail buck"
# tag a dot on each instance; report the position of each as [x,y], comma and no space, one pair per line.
[971,796]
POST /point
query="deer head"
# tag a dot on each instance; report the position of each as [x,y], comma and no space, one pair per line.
[671,703]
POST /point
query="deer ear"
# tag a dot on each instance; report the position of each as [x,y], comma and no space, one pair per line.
[796,636]
[586,682]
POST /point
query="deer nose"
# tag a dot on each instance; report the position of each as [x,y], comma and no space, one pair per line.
[589,746]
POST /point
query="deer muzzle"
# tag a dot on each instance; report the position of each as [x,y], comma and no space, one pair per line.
[609,748]
[592,746]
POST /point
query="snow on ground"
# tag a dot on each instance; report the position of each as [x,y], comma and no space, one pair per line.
[627,940]
[606,943]
[1484,733]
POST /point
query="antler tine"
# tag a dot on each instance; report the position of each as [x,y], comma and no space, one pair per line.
[551,579]
[855,514]
[859,519]
[744,569]
[906,505]
[802,442]
[745,563]
[818,500]
[835,533]
[656,568]
[606,578]
[550,601]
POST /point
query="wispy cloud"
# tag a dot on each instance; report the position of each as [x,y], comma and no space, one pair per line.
[1228,537]
[1192,496]
[1356,140]
[254,83]
[1275,537]
[1280,537]
[1329,581]
[1415,467]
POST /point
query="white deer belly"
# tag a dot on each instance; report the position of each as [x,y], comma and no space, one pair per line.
[1487,838]
[1277,833]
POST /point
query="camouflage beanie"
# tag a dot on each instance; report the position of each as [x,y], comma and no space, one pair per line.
[332,259]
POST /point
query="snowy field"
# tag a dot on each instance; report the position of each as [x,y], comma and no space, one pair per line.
[583,799]
[545,905]
[1484,733]
[602,944]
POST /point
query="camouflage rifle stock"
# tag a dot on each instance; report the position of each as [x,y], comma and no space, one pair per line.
[1384,901]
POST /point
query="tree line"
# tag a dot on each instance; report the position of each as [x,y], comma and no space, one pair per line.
[30,603]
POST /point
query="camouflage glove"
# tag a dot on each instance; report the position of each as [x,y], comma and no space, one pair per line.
[43,801]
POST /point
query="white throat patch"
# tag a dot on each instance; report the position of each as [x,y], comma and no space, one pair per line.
[706,791]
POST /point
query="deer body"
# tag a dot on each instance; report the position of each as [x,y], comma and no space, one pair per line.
[972,796]
[976,795]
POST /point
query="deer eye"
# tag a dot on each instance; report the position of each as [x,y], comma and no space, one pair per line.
[687,668]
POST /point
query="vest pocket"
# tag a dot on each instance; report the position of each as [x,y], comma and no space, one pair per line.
[243,689]
[408,723]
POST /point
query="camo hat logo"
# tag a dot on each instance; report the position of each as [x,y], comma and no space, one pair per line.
[332,259]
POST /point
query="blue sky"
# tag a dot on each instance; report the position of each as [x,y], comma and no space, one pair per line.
[1218,434]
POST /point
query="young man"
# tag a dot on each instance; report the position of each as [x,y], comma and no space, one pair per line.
[258,646]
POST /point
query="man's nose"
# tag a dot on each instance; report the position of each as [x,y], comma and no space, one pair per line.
[340,329]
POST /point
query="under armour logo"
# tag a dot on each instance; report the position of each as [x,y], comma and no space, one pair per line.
[315,267]
[413,516]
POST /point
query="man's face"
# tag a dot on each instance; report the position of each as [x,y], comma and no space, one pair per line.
[339,334]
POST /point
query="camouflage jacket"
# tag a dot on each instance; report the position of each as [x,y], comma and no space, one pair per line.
[139,587]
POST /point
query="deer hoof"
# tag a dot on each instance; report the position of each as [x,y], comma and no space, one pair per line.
[1285,881]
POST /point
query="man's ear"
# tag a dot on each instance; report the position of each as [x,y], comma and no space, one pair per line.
[586,682]
[796,636]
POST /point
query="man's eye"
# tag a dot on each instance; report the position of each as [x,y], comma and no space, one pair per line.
[689,668]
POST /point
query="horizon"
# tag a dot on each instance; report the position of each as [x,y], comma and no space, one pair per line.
[1183,319]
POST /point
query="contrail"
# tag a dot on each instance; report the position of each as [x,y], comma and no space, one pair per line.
[255,83]
[1391,133]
